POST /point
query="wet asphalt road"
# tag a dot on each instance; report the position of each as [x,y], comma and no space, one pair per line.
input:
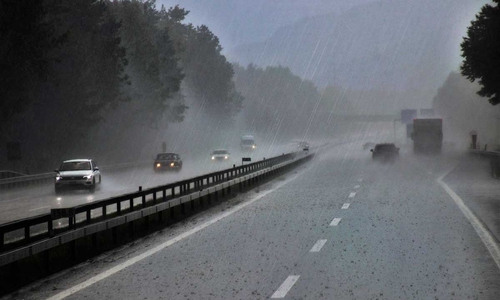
[400,237]
[16,204]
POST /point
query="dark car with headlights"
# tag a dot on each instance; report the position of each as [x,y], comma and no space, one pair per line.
[386,152]
[77,173]
[167,162]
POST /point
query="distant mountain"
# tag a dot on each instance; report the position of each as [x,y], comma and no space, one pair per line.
[389,45]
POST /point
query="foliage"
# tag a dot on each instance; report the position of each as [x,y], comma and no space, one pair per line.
[481,52]
[277,101]
[463,110]
[26,42]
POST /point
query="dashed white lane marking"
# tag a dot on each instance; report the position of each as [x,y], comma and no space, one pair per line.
[485,235]
[38,208]
[335,222]
[356,186]
[317,247]
[72,290]
[345,206]
[285,286]
[351,195]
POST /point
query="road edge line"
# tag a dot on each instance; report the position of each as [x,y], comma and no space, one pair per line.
[131,261]
[482,230]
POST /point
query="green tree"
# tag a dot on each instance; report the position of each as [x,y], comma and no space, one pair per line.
[27,39]
[481,52]
[208,73]
[155,76]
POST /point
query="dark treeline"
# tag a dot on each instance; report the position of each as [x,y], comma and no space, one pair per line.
[463,110]
[67,66]
[282,106]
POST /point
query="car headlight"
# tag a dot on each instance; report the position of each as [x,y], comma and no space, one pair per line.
[158,165]
[58,177]
[88,177]
[253,146]
[213,157]
[225,157]
[172,164]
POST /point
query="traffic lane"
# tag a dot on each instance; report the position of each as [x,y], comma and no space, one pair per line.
[401,237]
[241,257]
[39,200]
[32,201]
[386,246]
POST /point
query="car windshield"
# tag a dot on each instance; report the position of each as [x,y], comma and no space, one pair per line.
[247,142]
[220,152]
[75,166]
[385,147]
[167,156]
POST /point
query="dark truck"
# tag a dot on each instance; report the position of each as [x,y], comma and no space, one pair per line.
[427,135]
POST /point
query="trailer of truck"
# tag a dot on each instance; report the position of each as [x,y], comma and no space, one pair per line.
[427,135]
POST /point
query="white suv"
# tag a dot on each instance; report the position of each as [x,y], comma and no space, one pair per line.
[79,173]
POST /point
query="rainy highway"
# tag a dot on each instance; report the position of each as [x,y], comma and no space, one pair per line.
[305,149]
[25,202]
[340,227]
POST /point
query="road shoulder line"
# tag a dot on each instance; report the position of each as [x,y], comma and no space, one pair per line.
[113,270]
[489,241]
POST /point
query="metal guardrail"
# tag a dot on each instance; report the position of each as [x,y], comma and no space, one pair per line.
[127,207]
[493,156]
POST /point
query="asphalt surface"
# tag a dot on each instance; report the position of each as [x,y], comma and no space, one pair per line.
[400,237]
[26,202]
[472,181]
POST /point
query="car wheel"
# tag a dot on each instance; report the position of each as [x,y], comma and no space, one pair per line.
[100,179]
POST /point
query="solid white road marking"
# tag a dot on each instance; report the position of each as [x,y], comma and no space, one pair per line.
[162,246]
[345,206]
[317,247]
[285,286]
[356,186]
[351,195]
[485,235]
[335,222]
[38,208]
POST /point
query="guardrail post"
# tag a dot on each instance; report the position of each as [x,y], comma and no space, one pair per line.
[27,233]
[2,242]
[104,211]
[131,203]
[154,197]
[173,192]
[71,222]
[143,197]
[50,228]
[119,207]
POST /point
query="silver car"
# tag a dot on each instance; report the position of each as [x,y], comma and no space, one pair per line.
[77,173]
[220,154]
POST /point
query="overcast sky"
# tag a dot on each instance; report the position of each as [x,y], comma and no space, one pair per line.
[242,21]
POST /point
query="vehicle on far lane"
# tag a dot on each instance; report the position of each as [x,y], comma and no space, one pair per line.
[386,152]
[220,154]
[167,161]
[77,173]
